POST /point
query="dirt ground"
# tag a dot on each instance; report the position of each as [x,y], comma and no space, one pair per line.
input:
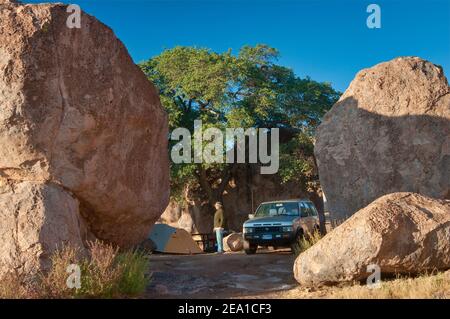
[268,274]
[230,275]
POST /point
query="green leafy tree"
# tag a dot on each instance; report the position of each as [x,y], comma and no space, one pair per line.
[245,90]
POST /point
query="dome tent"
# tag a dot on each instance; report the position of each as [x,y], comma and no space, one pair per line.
[173,240]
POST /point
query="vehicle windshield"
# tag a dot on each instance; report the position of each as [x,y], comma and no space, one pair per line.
[278,209]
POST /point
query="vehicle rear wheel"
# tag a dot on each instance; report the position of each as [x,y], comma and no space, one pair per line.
[249,248]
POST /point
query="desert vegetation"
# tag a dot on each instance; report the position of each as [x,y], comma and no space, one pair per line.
[106,272]
[305,242]
[425,286]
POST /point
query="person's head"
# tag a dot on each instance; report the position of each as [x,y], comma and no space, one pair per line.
[218,205]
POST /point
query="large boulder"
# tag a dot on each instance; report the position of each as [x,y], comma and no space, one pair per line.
[175,216]
[402,233]
[36,219]
[76,112]
[389,132]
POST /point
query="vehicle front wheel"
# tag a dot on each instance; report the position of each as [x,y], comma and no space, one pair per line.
[249,248]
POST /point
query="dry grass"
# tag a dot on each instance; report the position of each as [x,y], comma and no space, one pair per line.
[424,287]
[13,286]
[105,273]
[100,275]
[53,283]
[436,286]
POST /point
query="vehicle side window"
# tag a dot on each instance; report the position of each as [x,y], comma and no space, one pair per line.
[291,209]
[304,210]
[308,210]
[312,210]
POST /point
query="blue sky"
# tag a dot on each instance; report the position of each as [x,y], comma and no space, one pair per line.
[325,39]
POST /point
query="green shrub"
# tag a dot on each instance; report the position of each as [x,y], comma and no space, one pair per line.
[305,242]
[133,278]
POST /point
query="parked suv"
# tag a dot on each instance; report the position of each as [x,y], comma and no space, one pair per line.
[280,224]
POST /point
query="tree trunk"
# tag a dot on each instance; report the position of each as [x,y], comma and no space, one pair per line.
[215,195]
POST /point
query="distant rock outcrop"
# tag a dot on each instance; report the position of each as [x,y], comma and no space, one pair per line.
[401,233]
[246,190]
[83,136]
[389,132]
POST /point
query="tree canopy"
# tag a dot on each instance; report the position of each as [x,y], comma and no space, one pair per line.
[248,90]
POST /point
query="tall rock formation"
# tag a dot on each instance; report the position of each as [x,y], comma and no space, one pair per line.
[389,132]
[83,136]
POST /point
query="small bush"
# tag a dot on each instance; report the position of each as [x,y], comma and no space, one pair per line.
[133,277]
[305,242]
[105,273]
[99,273]
[54,282]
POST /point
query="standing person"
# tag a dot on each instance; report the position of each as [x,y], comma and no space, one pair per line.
[219,225]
